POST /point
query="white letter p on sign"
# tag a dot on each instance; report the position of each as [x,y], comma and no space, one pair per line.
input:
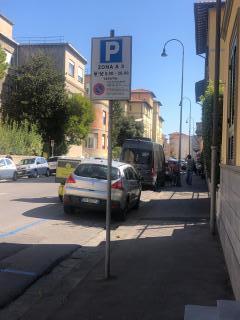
[112,47]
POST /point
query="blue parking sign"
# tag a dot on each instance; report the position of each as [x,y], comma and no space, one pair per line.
[111,51]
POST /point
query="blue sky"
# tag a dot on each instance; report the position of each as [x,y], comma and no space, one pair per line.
[149,22]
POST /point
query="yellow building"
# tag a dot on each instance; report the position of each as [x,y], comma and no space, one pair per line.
[228,216]
[157,128]
[205,17]
[7,44]
[145,109]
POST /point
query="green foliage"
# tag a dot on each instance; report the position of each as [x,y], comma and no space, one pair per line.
[38,95]
[80,117]
[3,63]
[20,139]
[116,151]
[124,127]
[129,129]
[207,120]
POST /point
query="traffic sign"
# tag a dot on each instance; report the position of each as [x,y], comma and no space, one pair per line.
[111,68]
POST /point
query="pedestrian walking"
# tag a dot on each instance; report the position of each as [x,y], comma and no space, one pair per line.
[190,169]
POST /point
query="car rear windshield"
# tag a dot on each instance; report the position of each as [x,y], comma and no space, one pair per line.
[53,159]
[137,156]
[96,171]
[27,161]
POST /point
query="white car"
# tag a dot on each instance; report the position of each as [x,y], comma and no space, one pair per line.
[8,169]
[33,167]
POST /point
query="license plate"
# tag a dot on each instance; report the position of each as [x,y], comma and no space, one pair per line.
[90,200]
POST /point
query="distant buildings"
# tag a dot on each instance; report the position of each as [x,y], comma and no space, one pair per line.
[174,145]
[145,109]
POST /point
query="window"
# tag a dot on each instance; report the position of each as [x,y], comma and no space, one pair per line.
[103,141]
[71,67]
[28,161]
[104,118]
[96,171]
[80,74]
[130,174]
[2,163]
[132,155]
[91,141]
[9,163]
[232,99]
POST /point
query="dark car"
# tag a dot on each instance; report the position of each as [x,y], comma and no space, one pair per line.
[147,158]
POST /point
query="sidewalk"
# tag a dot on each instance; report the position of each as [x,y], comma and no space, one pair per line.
[163,258]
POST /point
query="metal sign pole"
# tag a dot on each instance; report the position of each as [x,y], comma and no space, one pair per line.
[109,186]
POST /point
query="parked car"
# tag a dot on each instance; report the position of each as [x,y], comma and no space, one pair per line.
[65,166]
[86,187]
[148,159]
[8,169]
[33,167]
[52,164]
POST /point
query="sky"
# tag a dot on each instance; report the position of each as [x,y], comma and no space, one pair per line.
[150,23]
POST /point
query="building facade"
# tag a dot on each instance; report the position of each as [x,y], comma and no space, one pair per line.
[66,59]
[174,145]
[95,145]
[157,127]
[228,214]
[9,46]
[145,109]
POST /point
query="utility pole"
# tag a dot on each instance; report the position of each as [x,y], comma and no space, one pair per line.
[215,119]
[109,188]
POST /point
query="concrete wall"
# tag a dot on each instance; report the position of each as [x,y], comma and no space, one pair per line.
[55,52]
[228,220]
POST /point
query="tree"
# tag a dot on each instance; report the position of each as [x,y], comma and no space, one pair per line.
[124,127]
[129,129]
[80,117]
[38,95]
[117,119]
[20,139]
[3,63]
[207,121]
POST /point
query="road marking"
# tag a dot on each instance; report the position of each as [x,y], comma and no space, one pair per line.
[3,193]
[25,273]
[17,230]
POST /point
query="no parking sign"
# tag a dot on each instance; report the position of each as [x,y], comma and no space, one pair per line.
[111,68]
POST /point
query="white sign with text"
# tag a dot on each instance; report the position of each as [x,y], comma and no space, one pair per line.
[111,68]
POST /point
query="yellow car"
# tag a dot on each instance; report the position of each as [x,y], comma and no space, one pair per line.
[65,166]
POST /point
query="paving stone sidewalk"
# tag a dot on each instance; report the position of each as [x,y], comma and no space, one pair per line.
[162,258]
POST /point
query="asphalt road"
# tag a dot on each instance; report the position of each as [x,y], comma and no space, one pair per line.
[31,213]
[35,234]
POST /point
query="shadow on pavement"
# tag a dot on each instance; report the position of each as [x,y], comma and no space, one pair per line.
[154,277]
[21,265]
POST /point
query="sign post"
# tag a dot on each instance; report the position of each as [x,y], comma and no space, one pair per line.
[110,80]
[52,146]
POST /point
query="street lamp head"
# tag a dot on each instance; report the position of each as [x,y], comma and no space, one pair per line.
[164,54]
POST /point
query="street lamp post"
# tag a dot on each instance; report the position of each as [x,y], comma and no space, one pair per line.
[190,118]
[164,54]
